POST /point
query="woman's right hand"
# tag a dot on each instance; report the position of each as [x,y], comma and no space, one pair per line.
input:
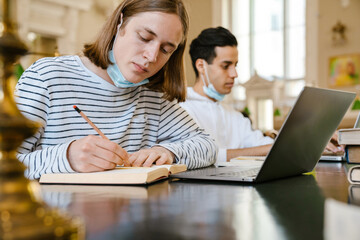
[93,154]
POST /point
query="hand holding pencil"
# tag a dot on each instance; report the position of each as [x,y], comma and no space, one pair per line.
[94,153]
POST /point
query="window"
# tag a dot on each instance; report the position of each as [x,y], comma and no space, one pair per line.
[271,42]
[271,37]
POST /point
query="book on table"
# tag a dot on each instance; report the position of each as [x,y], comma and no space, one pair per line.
[352,153]
[117,176]
[349,136]
[353,174]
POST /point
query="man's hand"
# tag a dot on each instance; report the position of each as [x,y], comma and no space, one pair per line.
[150,156]
[333,145]
[92,154]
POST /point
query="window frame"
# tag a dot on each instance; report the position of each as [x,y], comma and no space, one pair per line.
[285,37]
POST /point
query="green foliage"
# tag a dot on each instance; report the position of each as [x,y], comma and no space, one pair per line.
[356,105]
[277,112]
[18,70]
[246,111]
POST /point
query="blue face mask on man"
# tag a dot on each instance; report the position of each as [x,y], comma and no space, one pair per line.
[114,72]
[210,90]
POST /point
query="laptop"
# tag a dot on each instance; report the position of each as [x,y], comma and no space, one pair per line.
[357,122]
[299,144]
[338,157]
[329,156]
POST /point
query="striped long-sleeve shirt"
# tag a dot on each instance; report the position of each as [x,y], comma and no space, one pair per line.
[135,117]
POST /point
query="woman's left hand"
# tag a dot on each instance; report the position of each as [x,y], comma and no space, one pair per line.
[150,156]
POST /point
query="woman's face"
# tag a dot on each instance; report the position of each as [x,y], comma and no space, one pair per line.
[145,44]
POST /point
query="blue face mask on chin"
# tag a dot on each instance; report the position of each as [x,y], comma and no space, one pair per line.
[210,90]
[117,77]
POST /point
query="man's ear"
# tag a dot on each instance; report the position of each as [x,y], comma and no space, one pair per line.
[199,64]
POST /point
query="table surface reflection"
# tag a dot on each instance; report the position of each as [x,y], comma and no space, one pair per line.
[291,208]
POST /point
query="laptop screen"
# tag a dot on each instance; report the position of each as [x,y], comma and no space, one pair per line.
[305,133]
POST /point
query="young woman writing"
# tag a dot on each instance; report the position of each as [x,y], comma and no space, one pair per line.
[127,82]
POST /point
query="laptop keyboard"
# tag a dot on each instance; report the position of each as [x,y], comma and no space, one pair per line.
[220,173]
[240,173]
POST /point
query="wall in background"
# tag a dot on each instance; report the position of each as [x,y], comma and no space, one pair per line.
[322,16]
[200,17]
[90,22]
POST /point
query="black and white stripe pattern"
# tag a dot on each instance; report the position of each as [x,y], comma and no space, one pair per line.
[135,118]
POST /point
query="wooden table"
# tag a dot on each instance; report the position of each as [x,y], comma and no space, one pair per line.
[291,208]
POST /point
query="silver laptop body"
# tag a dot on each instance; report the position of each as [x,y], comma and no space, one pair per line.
[357,122]
[299,144]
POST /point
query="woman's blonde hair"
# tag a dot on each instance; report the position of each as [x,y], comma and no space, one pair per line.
[171,78]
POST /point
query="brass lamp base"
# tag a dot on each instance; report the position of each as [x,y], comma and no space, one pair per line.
[22,215]
[37,222]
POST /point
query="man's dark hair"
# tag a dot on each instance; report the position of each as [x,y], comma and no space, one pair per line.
[204,45]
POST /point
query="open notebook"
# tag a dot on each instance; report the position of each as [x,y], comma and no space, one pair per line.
[299,145]
[117,176]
